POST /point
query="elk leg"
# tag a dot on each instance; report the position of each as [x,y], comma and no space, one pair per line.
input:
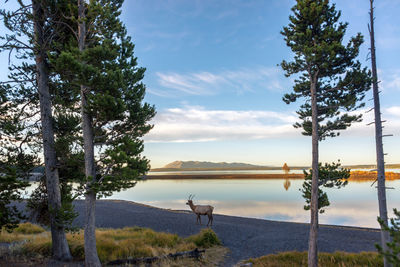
[199,218]
[210,219]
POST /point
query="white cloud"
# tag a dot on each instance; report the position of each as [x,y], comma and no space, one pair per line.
[197,124]
[390,79]
[394,111]
[390,121]
[239,81]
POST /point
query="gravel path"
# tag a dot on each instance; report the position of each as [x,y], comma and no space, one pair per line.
[244,237]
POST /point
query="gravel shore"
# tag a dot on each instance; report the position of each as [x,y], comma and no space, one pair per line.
[245,237]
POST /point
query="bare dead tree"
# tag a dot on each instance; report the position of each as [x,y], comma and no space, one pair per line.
[380,162]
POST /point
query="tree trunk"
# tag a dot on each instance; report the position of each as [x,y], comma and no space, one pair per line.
[380,162]
[91,257]
[313,239]
[60,249]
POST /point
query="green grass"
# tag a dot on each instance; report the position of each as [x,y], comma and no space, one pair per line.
[112,244]
[297,259]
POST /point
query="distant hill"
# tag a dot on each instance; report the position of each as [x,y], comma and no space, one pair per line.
[213,166]
[207,165]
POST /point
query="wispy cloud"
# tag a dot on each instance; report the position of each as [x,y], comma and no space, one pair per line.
[197,124]
[390,118]
[238,81]
[390,79]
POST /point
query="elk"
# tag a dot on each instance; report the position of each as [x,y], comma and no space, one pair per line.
[201,210]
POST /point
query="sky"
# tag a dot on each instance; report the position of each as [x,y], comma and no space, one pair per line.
[213,76]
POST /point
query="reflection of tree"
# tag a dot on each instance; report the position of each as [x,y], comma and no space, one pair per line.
[286,168]
[286,184]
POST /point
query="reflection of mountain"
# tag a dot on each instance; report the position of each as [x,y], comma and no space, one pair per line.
[286,184]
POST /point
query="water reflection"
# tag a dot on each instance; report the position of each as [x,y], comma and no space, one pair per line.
[286,184]
[354,205]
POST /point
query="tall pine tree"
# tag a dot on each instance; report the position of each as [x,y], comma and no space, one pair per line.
[101,63]
[16,161]
[328,78]
[31,93]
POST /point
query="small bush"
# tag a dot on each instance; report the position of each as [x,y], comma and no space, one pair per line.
[205,239]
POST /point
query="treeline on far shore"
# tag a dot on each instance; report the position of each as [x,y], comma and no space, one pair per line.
[354,175]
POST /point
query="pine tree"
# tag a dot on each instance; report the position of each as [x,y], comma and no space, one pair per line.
[328,77]
[34,28]
[15,161]
[330,176]
[101,63]
[392,249]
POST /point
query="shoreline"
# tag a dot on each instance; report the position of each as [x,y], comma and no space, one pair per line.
[363,228]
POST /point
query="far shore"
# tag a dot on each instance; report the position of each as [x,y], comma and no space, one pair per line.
[355,176]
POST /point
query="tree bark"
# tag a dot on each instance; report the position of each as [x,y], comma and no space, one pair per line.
[313,238]
[380,162]
[91,257]
[60,249]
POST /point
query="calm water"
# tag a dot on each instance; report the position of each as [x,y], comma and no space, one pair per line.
[355,205]
[245,172]
[225,172]
[272,199]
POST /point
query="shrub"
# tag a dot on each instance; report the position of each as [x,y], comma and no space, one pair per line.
[205,239]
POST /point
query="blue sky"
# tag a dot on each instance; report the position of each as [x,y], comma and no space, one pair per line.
[212,74]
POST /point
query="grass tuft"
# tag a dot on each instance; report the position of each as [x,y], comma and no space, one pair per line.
[297,259]
[22,232]
[29,228]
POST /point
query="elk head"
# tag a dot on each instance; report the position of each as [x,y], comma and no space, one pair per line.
[190,200]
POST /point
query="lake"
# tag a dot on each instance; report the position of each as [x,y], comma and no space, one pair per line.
[272,199]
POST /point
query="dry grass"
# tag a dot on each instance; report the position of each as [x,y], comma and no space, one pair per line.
[341,259]
[22,232]
[371,175]
[112,244]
